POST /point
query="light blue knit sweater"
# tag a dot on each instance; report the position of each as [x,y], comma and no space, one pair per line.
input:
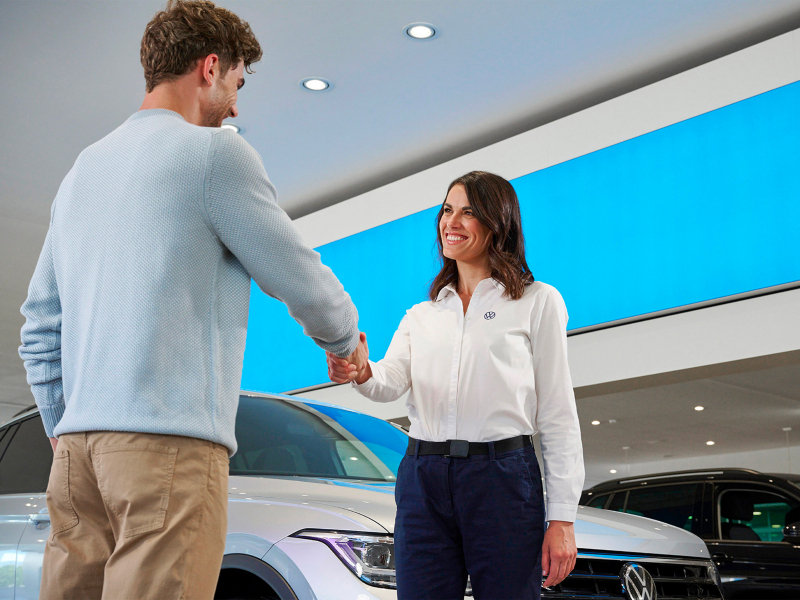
[137,311]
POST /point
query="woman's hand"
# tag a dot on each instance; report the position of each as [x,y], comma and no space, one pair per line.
[353,368]
[558,552]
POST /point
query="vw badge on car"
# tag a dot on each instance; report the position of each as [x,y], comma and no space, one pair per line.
[637,583]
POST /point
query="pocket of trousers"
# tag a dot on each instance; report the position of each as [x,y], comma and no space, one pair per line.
[135,481]
[59,505]
[527,477]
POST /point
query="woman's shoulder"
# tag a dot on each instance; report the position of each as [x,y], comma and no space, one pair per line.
[422,308]
[542,290]
[544,297]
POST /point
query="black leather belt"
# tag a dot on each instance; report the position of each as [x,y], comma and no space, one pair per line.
[463,448]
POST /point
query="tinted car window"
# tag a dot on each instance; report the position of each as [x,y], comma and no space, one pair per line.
[671,504]
[617,502]
[598,502]
[25,466]
[5,437]
[754,514]
[277,437]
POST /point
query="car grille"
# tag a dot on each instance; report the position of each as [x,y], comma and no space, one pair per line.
[598,576]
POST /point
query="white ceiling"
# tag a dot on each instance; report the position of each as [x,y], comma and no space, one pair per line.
[743,412]
[71,73]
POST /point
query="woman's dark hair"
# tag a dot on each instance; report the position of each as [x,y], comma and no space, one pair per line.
[494,203]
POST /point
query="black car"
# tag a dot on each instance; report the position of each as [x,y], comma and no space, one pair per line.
[750,522]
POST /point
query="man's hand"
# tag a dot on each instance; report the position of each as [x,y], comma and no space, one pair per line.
[354,367]
[54,443]
[558,552]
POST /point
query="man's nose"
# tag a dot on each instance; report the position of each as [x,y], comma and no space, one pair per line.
[234,112]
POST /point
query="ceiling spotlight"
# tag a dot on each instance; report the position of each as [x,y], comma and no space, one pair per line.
[232,126]
[421,31]
[595,422]
[315,84]
[709,443]
[613,471]
[699,407]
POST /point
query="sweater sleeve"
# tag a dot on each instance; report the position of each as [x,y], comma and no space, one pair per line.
[41,339]
[242,208]
[556,414]
[391,377]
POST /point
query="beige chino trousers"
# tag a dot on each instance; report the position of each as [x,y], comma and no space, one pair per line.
[135,516]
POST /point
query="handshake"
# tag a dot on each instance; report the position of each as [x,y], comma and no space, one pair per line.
[353,368]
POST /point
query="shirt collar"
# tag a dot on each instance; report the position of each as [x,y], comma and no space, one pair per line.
[446,291]
[451,289]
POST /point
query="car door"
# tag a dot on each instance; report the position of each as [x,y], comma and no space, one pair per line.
[753,560]
[24,471]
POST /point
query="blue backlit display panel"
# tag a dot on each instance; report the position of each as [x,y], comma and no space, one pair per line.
[699,210]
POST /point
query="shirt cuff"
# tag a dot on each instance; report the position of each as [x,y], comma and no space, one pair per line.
[51,415]
[562,512]
[370,385]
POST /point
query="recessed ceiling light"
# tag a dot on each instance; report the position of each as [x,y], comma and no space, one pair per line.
[709,443]
[595,422]
[613,471]
[699,407]
[315,84]
[421,31]
[232,126]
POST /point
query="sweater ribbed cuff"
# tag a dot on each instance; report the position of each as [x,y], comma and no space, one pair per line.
[51,415]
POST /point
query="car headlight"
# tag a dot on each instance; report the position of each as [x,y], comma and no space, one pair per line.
[369,557]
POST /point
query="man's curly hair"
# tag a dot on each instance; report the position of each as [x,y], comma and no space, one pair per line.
[189,30]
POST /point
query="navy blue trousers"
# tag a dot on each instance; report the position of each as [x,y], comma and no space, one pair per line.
[480,515]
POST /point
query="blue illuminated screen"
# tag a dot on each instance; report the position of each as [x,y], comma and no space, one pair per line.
[702,209]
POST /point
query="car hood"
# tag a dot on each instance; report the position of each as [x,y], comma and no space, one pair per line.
[595,530]
[374,500]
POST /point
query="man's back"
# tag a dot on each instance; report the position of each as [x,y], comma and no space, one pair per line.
[154,236]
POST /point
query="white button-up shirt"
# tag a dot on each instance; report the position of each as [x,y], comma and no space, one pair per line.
[496,372]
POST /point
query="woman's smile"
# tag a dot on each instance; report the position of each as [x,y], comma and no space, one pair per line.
[455,238]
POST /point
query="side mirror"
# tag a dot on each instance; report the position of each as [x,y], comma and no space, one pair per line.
[791,533]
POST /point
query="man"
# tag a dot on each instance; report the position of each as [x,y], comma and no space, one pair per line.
[137,318]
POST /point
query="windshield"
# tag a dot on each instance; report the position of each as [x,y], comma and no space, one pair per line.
[281,437]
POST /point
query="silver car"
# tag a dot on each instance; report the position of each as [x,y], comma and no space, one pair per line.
[311,514]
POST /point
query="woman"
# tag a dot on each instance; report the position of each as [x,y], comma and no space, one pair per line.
[486,362]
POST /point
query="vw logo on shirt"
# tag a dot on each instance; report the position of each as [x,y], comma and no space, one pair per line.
[489,315]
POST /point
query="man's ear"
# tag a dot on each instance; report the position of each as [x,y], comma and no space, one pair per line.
[209,68]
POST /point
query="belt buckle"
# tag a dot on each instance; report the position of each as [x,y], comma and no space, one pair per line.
[458,449]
